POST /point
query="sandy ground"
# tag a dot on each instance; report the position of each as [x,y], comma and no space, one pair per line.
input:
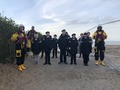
[62,77]
[113,55]
[113,50]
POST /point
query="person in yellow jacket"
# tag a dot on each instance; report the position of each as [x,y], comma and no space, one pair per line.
[20,47]
[99,36]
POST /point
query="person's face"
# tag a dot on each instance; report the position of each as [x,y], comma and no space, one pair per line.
[55,36]
[63,32]
[74,36]
[81,35]
[22,29]
[99,28]
[88,34]
[48,34]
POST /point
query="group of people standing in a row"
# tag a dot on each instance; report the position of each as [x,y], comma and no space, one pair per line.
[67,45]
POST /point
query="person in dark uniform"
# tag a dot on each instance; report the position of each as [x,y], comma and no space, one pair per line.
[81,36]
[55,43]
[88,34]
[73,43]
[47,43]
[42,51]
[99,36]
[63,44]
[68,50]
[86,48]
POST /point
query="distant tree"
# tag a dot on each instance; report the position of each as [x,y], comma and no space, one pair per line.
[40,34]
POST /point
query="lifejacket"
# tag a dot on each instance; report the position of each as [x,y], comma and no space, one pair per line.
[99,36]
[19,39]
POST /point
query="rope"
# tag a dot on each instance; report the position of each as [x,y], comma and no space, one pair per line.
[103,24]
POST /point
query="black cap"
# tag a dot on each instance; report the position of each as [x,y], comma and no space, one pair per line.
[73,34]
[63,30]
[85,33]
[47,32]
[55,35]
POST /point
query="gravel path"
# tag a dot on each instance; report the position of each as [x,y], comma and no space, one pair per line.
[59,77]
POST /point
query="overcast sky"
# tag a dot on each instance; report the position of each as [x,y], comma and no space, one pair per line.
[76,16]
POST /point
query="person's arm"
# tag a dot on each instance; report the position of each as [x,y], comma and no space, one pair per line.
[51,40]
[59,43]
[77,43]
[14,37]
[69,43]
[105,35]
[91,40]
[81,46]
[80,40]
[32,46]
[94,35]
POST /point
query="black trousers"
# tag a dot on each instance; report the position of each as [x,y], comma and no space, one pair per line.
[54,53]
[62,55]
[47,57]
[20,60]
[80,51]
[99,52]
[73,58]
[42,53]
[85,58]
[68,52]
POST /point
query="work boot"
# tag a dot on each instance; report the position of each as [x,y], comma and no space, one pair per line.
[102,63]
[19,68]
[75,63]
[85,64]
[60,62]
[45,63]
[49,63]
[23,67]
[96,62]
